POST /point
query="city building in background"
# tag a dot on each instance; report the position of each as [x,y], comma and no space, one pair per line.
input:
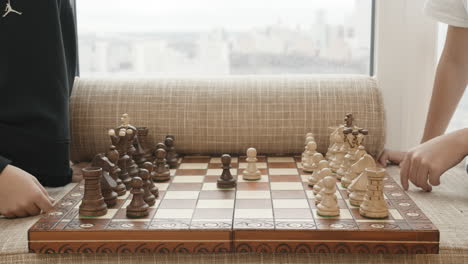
[320,43]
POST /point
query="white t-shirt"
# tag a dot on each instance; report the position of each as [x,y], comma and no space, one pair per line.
[451,12]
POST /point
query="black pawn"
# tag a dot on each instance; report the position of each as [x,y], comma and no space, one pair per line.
[153,188]
[162,172]
[137,207]
[172,157]
[149,198]
[226,180]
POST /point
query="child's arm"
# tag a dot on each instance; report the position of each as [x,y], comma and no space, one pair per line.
[21,194]
[424,164]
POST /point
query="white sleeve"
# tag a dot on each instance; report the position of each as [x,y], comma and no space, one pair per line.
[451,12]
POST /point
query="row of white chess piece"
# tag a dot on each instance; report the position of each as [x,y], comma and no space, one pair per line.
[356,170]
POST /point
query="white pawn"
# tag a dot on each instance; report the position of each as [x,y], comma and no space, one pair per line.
[251,173]
[322,174]
[309,138]
[320,163]
[311,149]
[328,206]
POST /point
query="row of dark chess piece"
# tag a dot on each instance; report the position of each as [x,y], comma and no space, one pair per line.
[113,173]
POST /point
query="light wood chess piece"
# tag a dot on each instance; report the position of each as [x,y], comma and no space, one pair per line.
[322,174]
[356,169]
[251,173]
[309,138]
[319,163]
[374,204]
[311,150]
[328,206]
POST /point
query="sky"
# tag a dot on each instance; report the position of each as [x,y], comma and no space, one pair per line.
[201,15]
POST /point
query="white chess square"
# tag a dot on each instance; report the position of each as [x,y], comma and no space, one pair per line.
[260,165]
[181,195]
[193,166]
[188,179]
[280,159]
[283,172]
[310,194]
[253,213]
[218,160]
[290,203]
[220,171]
[286,186]
[174,213]
[215,204]
[162,186]
[253,195]
[210,186]
[264,178]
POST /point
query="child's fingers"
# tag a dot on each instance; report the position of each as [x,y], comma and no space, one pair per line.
[44,203]
[383,159]
[404,173]
[421,177]
[32,210]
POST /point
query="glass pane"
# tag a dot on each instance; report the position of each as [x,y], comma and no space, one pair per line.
[218,37]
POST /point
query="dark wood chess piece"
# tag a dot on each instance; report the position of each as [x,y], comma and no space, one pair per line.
[114,171]
[107,189]
[162,172]
[142,133]
[120,141]
[172,157]
[149,198]
[139,155]
[131,151]
[150,168]
[93,203]
[100,160]
[226,180]
[137,207]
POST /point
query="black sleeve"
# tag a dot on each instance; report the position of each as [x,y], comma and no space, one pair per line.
[3,163]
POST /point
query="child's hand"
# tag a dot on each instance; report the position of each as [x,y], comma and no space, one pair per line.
[424,164]
[21,194]
[392,156]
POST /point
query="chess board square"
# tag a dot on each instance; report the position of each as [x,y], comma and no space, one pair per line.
[253,195]
[213,186]
[211,178]
[174,213]
[181,195]
[210,213]
[188,179]
[260,165]
[305,178]
[285,178]
[223,203]
[264,178]
[185,186]
[253,186]
[286,186]
[280,159]
[290,203]
[282,165]
[279,194]
[172,172]
[218,194]
[161,186]
[283,172]
[218,160]
[178,204]
[293,213]
[219,172]
[193,166]
[253,204]
[190,172]
[253,213]
[122,214]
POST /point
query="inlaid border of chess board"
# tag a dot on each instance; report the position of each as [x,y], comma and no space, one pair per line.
[274,215]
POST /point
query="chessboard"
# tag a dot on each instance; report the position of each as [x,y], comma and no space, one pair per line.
[276,214]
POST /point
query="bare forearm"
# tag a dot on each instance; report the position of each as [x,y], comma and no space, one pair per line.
[450,83]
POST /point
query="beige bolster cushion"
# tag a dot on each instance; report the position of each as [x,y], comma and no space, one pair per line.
[226,114]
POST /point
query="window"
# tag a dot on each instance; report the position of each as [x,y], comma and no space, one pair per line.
[218,37]
[460,118]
